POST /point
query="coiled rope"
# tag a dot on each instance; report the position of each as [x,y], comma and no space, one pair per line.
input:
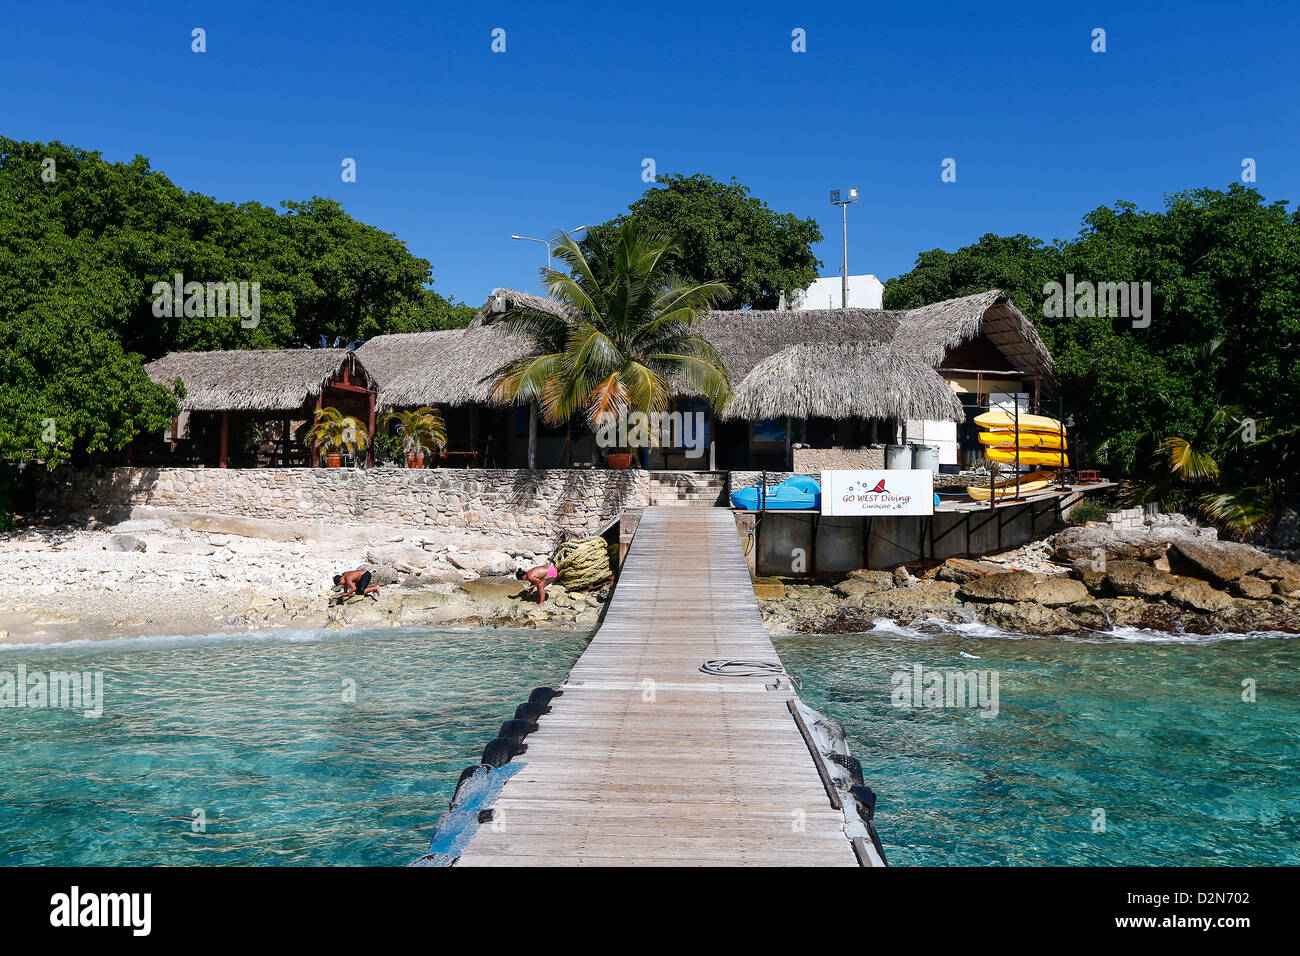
[582,564]
[726,667]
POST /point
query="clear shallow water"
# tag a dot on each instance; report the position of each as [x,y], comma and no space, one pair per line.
[256,732]
[1150,728]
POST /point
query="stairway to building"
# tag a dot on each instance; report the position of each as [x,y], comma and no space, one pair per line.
[688,489]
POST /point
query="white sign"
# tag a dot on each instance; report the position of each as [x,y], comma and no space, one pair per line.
[893,492]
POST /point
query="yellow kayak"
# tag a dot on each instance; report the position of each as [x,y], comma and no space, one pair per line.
[1029,423]
[1030,456]
[1022,438]
[1034,481]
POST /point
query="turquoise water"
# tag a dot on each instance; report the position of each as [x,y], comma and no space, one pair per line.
[1149,728]
[255,732]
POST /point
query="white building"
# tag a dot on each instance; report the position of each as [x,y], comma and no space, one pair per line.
[865,292]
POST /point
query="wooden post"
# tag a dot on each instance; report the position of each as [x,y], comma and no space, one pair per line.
[713,444]
[315,451]
[370,449]
[532,435]
[1017,434]
[224,447]
[789,452]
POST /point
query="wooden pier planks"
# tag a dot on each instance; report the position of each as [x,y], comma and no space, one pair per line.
[646,761]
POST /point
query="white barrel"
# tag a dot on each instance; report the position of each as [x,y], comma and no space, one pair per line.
[925,458]
[898,456]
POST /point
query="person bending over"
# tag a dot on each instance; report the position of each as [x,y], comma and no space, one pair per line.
[356,582]
[538,578]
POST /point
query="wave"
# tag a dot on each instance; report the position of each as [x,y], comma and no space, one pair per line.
[933,628]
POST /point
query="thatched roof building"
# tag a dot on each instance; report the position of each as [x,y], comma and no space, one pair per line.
[840,381]
[458,366]
[256,380]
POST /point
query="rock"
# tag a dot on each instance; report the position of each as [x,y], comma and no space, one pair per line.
[1027,617]
[768,589]
[1222,561]
[880,579]
[1060,591]
[903,577]
[218,540]
[123,542]
[140,524]
[483,563]
[919,599]
[1078,544]
[1252,587]
[1093,580]
[1196,594]
[961,570]
[855,589]
[406,558]
[493,589]
[1137,579]
[1275,569]
[1009,586]
[185,547]
[1288,587]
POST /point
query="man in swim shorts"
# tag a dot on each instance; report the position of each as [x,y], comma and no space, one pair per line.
[356,582]
[538,578]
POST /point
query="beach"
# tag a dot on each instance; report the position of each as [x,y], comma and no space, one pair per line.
[178,574]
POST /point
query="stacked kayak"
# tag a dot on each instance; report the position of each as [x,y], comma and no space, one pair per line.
[799,493]
[1034,481]
[1025,439]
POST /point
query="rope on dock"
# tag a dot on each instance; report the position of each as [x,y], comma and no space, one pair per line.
[582,564]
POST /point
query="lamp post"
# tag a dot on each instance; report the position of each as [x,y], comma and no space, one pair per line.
[843,203]
[549,242]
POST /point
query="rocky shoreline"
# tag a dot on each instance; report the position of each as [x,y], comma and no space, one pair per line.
[1169,575]
[172,573]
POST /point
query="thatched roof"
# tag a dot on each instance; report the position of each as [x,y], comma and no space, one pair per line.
[452,367]
[458,366]
[502,300]
[843,380]
[745,337]
[930,330]
[265,380]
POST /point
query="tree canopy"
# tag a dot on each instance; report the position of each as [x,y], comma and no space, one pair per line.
[83,242]
[724,234]
[1224,266]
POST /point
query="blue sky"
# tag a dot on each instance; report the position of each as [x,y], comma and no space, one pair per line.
[458,147]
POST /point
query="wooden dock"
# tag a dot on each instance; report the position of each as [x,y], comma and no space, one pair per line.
[646,761]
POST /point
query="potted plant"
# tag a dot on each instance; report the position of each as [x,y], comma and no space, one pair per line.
[332,432]
[620,459]
[422,430]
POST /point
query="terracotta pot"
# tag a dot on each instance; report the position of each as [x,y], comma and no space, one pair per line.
[620,459]
[414,461]
[334,460]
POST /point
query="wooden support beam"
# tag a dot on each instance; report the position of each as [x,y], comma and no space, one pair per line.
[224,447]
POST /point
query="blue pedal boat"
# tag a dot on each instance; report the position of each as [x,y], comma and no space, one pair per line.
[794,494]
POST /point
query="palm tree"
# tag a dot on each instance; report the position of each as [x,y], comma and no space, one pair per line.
[423,430]
[334,430]
[624,341]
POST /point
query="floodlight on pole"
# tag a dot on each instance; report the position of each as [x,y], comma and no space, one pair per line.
[549,242]
[837,199]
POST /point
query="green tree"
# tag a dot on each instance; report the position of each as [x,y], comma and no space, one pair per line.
[82,243]
[626,339]
[723,234]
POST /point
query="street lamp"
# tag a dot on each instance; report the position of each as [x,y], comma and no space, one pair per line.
[843,203]
[548,243]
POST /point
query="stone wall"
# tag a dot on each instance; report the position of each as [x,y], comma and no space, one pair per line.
[811,461]
[496,502]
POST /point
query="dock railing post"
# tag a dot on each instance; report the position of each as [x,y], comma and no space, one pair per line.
[1017,428]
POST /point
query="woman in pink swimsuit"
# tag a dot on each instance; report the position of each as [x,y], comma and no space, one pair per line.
[538,578]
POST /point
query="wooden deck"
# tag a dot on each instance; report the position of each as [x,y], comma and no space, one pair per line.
[646,761]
